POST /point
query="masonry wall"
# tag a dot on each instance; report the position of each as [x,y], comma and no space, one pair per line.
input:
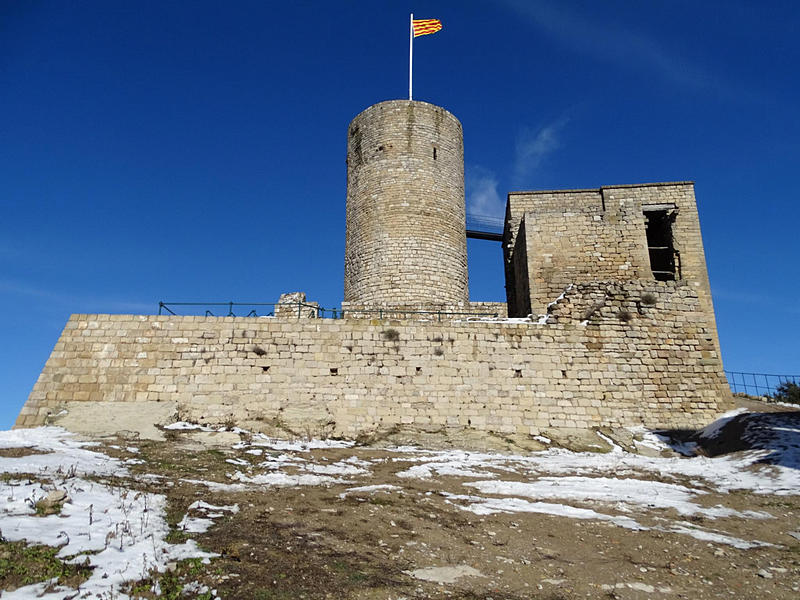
[573,236]
[406,239]
[348,377]
[687,237]
[518,292]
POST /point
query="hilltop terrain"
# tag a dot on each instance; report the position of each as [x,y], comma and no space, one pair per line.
[229,514]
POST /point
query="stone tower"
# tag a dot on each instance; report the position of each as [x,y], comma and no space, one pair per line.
[405,242]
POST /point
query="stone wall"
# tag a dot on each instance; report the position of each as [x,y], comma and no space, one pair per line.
[426,312]
[405,239]
[574,236]
[687,238]
[642,356]
[556,238]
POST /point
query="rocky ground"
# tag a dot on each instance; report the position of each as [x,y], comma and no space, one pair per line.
[229,514]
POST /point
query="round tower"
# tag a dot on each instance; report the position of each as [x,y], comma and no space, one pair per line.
[405,242]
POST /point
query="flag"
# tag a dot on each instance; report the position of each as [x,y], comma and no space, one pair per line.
[426,26]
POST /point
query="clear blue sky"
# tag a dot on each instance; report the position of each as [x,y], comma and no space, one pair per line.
[173,150]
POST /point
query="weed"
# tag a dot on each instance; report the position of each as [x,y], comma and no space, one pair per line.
[788,391]
[21,564]
[391,334]
[170,584]
[624,316]
[352,574]
[649,299]
[20,452]
[380,501]
[176,536]
[44,508]
[438,351]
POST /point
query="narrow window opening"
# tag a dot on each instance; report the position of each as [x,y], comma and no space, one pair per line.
[434,153]
[664,259]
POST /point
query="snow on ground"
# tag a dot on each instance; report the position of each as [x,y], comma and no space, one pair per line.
[262,440]
[384,487]
[209,512]
[613,487]
[624,492]
[63,454]
[286,480]
[122,532]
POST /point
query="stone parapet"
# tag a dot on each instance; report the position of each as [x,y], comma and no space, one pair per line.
[654,366]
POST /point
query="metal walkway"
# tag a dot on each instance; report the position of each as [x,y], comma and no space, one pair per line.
[482,227]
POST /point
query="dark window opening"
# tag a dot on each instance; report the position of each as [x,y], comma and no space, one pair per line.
[434,153]
[334,371]
[664,259]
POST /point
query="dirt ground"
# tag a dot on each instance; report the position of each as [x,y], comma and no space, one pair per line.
[321,541]
[376,532]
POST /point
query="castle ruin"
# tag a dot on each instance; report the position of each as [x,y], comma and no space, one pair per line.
[608,321]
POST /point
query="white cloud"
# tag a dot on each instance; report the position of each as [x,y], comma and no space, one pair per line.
[482,196]
[613,42]
[73,302]
[533,146]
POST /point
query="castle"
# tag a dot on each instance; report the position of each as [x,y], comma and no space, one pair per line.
[608,321]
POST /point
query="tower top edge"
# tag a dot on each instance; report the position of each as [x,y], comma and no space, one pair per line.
[389,104]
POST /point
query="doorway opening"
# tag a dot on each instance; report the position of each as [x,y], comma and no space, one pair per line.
[664,259]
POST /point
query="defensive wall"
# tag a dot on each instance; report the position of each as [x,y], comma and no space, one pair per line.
[612,322]
[607,354]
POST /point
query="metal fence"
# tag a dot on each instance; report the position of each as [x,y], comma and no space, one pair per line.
[305,309]
[485,223]
[256,309]
[757,384]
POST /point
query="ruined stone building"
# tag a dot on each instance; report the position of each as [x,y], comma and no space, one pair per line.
[608,321]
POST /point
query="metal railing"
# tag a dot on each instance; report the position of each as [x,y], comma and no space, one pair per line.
[757,384]
[304,309]
[255,307]
[483,227]
[485,223]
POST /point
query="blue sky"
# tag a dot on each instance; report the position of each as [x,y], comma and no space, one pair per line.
[172,150]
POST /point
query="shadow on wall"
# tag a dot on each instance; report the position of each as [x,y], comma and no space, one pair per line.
[775,433]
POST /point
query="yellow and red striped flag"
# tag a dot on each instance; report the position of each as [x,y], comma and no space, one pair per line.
[426,26]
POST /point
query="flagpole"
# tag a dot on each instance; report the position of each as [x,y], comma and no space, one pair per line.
[410,51]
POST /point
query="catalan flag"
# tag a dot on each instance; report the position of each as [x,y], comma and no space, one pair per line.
[418,27]
[426,26]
